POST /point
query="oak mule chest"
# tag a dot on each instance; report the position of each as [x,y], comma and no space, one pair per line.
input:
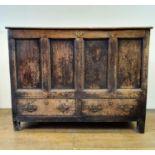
[79,74]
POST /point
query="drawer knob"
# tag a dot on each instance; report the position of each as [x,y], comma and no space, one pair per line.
[95,108]
[29,107]
[63,108]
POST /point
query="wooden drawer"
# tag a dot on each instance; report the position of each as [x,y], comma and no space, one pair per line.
[109,107]
[46,107]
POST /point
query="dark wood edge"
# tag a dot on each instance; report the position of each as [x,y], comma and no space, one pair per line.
[81,28]
[11,45]
[75,119]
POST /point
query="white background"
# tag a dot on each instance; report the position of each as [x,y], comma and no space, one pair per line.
[73,16]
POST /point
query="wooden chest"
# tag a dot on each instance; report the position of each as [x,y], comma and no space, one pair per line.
[79,74]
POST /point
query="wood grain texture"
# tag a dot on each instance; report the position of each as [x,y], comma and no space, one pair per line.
[13,75]
[79,64]
[96,60]
[46,107]
[62,33]
[109,107]
[101,72]
[62,61]
[129,63]
[118,93]
[145,59]
[76,136]
[28,64]
[45,63]
[112,64]
[86,94]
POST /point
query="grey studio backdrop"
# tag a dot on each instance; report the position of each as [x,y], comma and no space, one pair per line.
[73,16]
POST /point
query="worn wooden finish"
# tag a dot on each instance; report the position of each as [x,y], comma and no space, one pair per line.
[87,93]
[28,64]
[46,107]
[119,93]
[62,61]
[99,74]
[60,33]
[45,62]
[112,64]
[129,65]
[79,64]
[13,78]
[96,63]
[109,107]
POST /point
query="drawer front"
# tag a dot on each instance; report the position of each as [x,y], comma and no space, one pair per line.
[46,107]
[109,107]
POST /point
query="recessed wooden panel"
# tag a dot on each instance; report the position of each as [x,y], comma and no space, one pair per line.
[62,64]
[129,63]
[28,64]
[96,63]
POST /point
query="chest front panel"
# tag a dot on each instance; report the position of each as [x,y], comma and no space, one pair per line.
[62,64]
[28,64]
[98,72]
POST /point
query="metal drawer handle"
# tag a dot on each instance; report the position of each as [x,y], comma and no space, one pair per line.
[110,103]
[95,108]
[63,108]
[29,107]
[79,34]
[46,103]
[126,108]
